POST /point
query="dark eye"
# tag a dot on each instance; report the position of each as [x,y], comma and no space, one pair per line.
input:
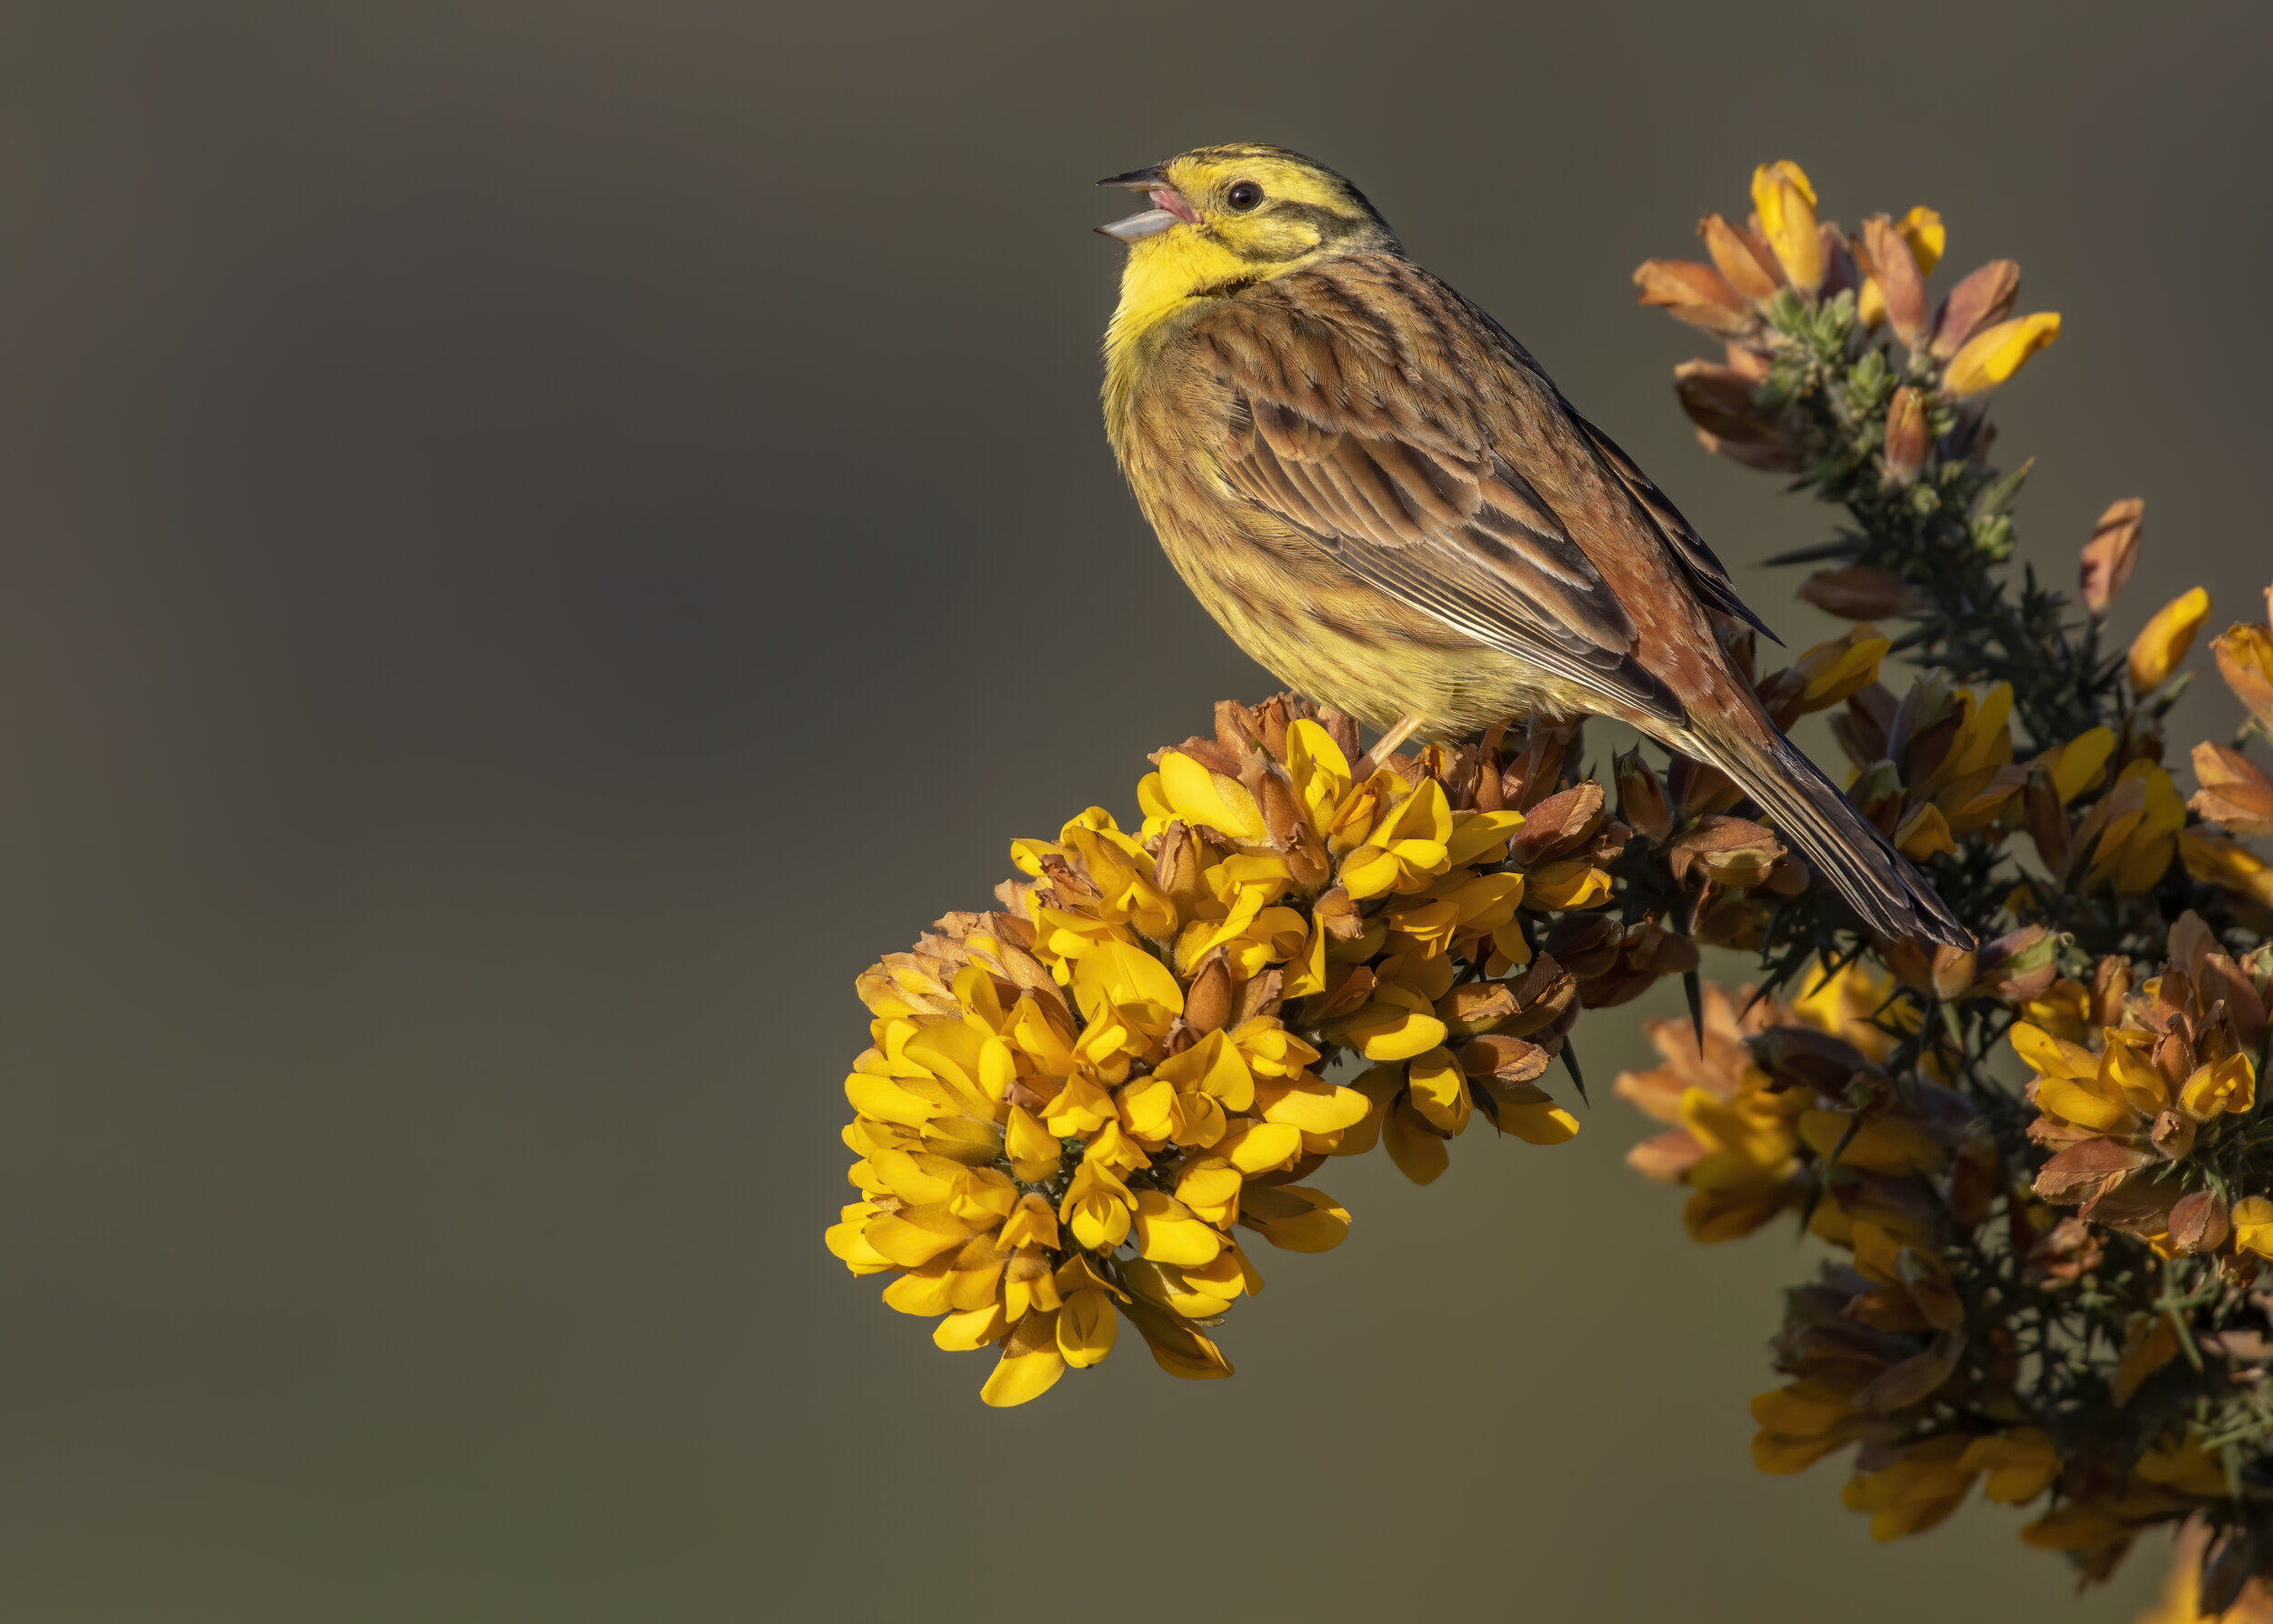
[1244,196]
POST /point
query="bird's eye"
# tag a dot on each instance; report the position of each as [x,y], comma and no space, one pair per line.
[1243,196]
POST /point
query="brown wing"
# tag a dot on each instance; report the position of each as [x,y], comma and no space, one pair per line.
[1356,423]
[1706,571]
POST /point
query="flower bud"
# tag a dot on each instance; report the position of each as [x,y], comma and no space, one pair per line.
[1208,1004]
[2245,659]
[1742,259]
[1860,592]
[1787,205]
[1825,674]
[1895,270]
[1982,298]
[1585,944]
[1995,354]
[1557,824]
[1861,728]
[1735,852]
[1922,229]
[2049,824]
[1642,797]
[2111,553]
[1696,293]
[1952,971]
[1718,400]
[2164,641]
[2020,965]
[1175,870]
[2172,1135]
[2199,1223]
[1804,1057]
[1337,916]
[1905,435]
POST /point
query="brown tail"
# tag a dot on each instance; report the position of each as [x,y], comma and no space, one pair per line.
[1807,809]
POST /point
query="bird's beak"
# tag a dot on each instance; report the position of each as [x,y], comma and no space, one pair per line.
[1168,208]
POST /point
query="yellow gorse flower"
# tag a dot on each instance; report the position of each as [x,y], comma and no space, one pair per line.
[1786,202]
[1992,355]
[2159,647]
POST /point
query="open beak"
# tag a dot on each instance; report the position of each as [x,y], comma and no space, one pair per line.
[1168,208]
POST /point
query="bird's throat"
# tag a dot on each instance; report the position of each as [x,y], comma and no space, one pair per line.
[1162,276]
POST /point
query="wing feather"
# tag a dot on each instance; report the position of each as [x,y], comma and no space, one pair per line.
[1386,468]
[1705,570]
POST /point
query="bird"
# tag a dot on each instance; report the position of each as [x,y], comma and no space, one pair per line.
[1386,503]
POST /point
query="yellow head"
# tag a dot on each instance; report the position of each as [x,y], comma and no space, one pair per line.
[1226,217]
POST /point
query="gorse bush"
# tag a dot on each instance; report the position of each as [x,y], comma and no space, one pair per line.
[2041,1165]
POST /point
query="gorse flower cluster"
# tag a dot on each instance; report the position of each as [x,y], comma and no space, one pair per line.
[2044,1163]
[1074,1104]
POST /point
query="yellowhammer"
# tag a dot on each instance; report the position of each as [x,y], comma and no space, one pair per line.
[1383,500]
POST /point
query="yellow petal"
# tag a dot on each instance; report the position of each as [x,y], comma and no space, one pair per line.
[2051,1056]
[1166,1232]
[1804,1409]
[1923,230]
[973,1328]
[2158,649]
[1538,1123]
[1175,1346]
[1992,355]
[1311,1105]
[922,1291]
[887,1101]
[1386,1029]
[1201,796]
[1419,1154]
[1775,1453]
[1440,1090]
[2253,1225]
[1571,884]
[2229,1087]
[1924,833]
[2059,1097]
[913,1236]
[1294,1217]
[1481,837]
[1253,1147]
[2080,761]
[1034,1151]
[1030,1363]
[1086,1326]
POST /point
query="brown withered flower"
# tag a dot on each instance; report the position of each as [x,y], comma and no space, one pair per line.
[2111,553]
[1861,592]
[2236,794]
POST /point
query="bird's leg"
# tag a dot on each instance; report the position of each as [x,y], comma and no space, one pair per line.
[1386,745]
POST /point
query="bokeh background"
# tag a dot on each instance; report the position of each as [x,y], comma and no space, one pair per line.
[536,538]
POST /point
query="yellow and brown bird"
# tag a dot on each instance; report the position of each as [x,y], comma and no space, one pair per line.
[1379,494]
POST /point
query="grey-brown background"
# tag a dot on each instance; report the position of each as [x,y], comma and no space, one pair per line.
[539,538]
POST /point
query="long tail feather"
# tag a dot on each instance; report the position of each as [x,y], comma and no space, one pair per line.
[1846,848]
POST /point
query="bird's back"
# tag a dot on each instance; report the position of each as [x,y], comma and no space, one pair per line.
[1373,350]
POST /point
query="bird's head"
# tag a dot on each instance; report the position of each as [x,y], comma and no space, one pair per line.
[1223,217]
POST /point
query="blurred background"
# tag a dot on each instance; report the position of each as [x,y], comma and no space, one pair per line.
[536,539]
